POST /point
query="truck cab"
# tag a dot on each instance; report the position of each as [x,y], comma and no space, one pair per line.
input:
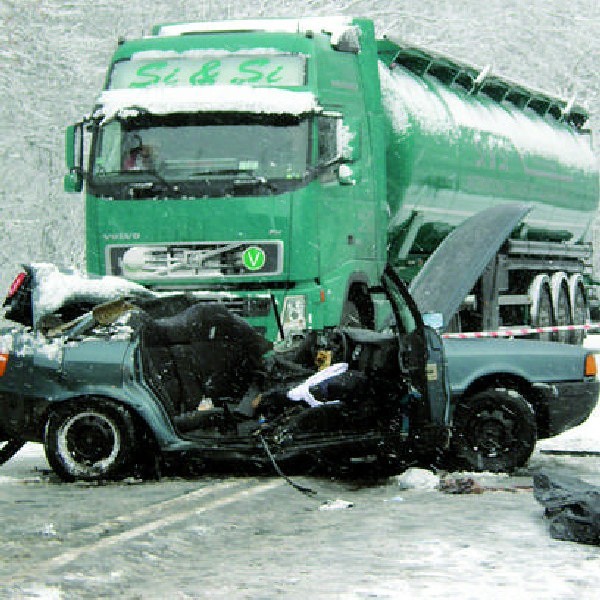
[241,157]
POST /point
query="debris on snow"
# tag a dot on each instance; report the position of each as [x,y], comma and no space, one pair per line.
[572,507]
[337,504]
[418,479]
[460,485]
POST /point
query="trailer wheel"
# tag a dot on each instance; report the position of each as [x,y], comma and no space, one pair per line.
[580,310]
[541,305]
[90,440]
[494,430]
[561,306]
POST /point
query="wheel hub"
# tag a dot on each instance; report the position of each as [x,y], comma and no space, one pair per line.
[492,432]
[89,439]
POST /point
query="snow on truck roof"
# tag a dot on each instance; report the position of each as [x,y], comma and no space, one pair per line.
[474,79]
[217,98]
[335,26]
[435,109]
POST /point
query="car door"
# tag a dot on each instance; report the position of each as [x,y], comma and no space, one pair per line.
[420,353]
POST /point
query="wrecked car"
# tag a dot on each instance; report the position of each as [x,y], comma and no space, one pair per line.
[117,379]
[172,378]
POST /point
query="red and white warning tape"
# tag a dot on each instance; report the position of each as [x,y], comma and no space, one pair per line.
[514,332]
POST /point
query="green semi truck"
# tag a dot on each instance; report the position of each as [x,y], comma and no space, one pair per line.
[282,163]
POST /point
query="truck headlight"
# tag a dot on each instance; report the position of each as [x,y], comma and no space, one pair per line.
[293,317]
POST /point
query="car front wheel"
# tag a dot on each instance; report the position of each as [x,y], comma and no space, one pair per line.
[90,440]
[494,430]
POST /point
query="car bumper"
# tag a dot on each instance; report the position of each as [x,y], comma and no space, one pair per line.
[562,406]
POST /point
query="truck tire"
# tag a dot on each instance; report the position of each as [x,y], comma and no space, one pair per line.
[579,307]
[350,315]
[494,430]
[90,440]
[358,310]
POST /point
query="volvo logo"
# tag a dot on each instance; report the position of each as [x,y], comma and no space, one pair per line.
[254,258]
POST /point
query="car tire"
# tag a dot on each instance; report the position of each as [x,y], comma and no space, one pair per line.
[494,430]
[90,440]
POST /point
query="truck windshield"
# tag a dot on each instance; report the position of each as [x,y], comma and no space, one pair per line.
[186,152]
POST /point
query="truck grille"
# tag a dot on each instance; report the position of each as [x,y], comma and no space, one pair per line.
[195,260]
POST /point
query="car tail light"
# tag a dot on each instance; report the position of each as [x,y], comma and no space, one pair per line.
[16,284]
[591,368]
[3,363]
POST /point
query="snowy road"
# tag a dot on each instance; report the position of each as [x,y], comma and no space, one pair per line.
[259,538]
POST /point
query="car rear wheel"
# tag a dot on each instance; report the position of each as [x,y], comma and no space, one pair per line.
[494,430]
[90,440]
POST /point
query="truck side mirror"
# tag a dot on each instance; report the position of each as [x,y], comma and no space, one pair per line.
[73,181]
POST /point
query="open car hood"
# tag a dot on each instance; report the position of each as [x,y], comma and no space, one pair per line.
[453,269]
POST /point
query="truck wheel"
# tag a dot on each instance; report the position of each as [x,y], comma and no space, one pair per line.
[9,447]
[350,315]
[494,430]
[90,440]
[358,310]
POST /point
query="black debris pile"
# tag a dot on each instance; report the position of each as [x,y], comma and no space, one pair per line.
[572,507]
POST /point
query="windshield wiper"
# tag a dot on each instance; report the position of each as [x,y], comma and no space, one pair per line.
[151,185]
[254,181]
[210,172]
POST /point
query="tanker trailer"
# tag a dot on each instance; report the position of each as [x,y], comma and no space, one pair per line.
[461,139]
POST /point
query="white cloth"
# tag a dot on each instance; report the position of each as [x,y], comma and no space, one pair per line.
[302,391]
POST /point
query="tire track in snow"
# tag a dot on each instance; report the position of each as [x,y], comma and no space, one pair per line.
[238,492]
